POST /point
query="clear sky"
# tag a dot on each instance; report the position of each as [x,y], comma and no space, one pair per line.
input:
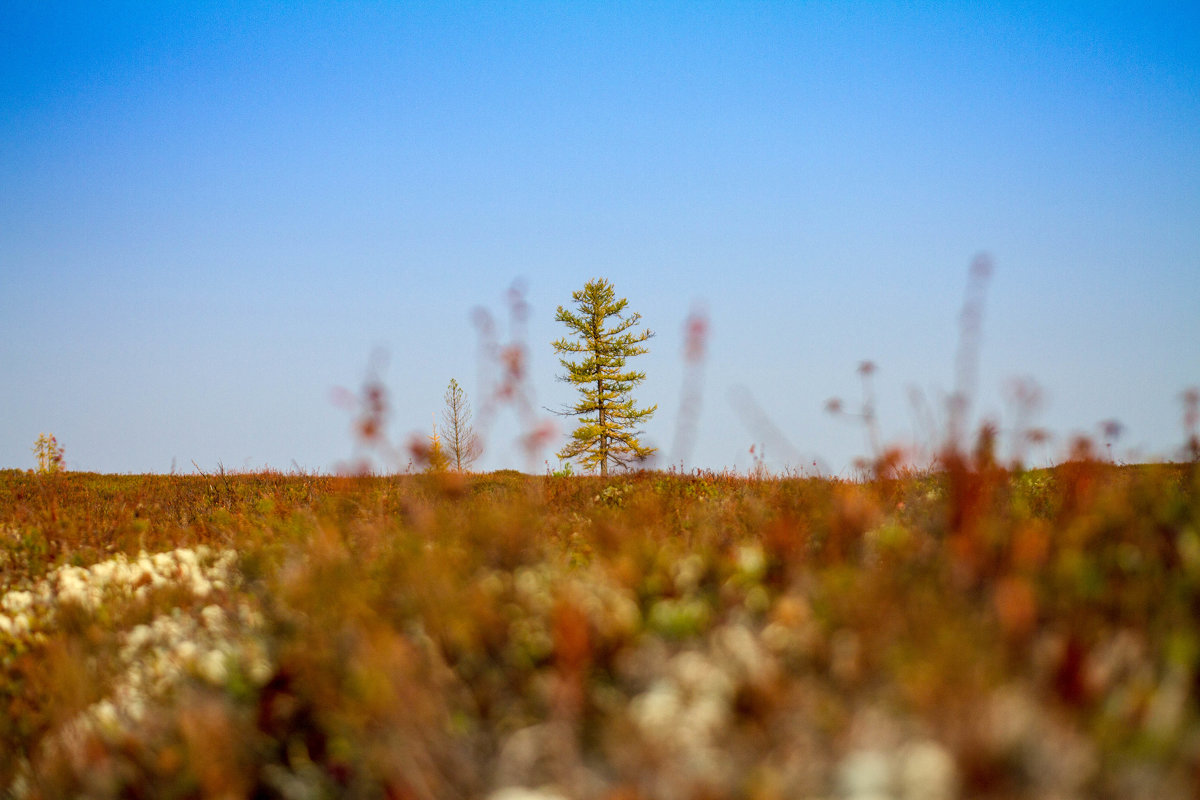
[211,215]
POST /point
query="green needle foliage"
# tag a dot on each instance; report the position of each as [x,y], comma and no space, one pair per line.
[608,419]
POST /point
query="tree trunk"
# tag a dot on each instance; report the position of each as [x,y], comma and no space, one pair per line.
[603,436]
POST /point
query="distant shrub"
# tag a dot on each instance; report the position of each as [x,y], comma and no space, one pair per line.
[49,454]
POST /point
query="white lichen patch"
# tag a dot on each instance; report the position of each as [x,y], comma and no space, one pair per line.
[28,613]
[211,646]
[215,645]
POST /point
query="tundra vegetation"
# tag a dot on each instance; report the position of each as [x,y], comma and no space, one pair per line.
[966,631]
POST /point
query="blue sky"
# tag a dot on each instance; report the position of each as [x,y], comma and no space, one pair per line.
[211,215]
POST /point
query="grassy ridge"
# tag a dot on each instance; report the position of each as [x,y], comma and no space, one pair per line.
[973,632]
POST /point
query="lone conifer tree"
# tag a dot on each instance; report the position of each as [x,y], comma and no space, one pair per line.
[462,443]
[607,416]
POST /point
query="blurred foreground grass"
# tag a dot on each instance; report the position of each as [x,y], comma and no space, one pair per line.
[975,633]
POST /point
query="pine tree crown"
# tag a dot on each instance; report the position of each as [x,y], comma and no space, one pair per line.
[606,411]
